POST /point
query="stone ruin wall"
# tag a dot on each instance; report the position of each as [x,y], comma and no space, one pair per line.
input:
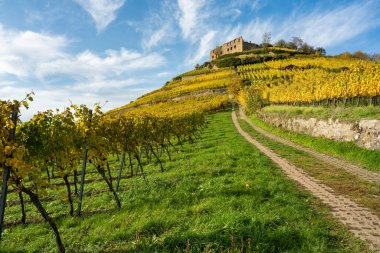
[233,46]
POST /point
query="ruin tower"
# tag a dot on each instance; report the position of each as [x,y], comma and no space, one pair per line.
[233,46]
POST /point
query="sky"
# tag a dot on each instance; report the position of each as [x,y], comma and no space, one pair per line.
[88,51]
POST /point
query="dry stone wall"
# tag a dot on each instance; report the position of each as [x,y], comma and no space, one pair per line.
[365,133]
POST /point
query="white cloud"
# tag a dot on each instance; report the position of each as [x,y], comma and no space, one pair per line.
[257,4]
[88,65]
[103,12]
[159,27]
[61,97]
[320,27]
[43,63]
[190,17]
[255,29]
[102,85]
[329,28]
[29,54]
[164,74]
[205,45]
[20,52]
[253,5]
[163,33]
[235,13]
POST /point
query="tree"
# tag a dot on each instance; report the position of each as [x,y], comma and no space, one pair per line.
[297,41]
[374,57]
[345,55]
[361,55]
[320,51]
[291,45]
[253,98]
[306,48]
[281,43]
[266,38]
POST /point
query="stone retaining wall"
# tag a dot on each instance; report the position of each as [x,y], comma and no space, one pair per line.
[365,133]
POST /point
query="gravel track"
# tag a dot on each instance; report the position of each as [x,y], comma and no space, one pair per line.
[360,221]
[336,162]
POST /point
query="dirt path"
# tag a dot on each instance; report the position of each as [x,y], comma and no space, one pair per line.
[336,162]
[360,221]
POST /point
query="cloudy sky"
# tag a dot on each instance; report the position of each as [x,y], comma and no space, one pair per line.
[88,51]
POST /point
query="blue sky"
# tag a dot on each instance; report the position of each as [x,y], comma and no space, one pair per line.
[88,51]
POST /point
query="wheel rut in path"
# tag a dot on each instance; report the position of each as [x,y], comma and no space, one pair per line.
[336,162]
[360,221]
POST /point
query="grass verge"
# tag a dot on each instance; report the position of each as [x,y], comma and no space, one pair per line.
[350,114]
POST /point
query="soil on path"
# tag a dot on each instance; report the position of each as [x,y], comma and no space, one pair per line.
[336,162]
[359,220]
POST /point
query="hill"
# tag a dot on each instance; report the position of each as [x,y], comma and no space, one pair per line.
[297,80]
[179,176]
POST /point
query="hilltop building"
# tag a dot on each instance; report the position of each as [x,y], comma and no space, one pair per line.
[233,46]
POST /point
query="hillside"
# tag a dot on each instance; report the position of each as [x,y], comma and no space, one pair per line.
[299,80]
[204,85]
[178,170]
[300,86]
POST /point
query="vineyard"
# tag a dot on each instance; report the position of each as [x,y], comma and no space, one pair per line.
[318,81]
[61,160]
[215,81]
[54,144]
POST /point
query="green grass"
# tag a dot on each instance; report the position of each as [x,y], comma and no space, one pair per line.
[368,159]
[349,114]
[218,192]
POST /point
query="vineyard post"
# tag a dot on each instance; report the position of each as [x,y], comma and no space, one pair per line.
[130,163]
[120,170]
[83,170]
[138,157]
[7,171]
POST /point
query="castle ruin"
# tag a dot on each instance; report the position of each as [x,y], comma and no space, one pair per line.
[233,46]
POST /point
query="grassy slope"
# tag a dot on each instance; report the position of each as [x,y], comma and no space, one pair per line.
[347,150]
[349,114]
[218,189]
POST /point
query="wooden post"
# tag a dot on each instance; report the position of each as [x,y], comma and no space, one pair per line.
[130,163]
[83,171]
[120,170]
[7,172]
